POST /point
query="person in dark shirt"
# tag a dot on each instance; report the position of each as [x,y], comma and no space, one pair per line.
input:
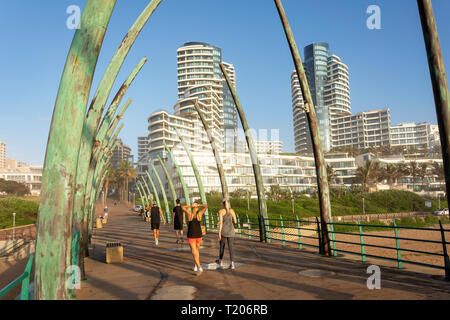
[155,213]
[178,221]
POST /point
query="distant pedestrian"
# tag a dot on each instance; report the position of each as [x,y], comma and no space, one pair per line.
[178,217]
[194,235]
[227,219]
[155,214]
[105,214]
[147,210]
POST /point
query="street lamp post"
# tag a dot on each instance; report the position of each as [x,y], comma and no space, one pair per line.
[439,200]
[14,226]
[248,200]
[292,201]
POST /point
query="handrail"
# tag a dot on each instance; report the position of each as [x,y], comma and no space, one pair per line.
[24,278]
[290,231]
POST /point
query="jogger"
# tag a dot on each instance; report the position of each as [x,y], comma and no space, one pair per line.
[155,214]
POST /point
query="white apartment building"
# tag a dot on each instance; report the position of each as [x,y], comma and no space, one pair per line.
[30,176]
[328,79]
[361,130]
[337,89]
[287,171]
[262,146]
[142,148]
[411,135]
[200,78]
[2,154]
[161,130]
[435,138]
[413,184]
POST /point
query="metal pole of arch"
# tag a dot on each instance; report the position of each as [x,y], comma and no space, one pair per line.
[197,175]
[438,81]
[321,168]
[180,175]
[215,151]
[262,217]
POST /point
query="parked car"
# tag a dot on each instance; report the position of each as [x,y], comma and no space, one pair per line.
[137,208]
[441,212]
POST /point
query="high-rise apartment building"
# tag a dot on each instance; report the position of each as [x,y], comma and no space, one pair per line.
[121,153]
[230,120]
[2,154]
[337,89]
[142,148]
[200,79]
[329,85]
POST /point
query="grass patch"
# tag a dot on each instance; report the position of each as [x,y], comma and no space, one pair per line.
[26,212]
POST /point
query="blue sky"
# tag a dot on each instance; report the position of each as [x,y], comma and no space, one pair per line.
[388,67]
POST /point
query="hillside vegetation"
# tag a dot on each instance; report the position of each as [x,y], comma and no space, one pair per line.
[26,212]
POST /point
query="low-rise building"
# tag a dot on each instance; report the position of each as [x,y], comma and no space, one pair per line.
[411,135]
[361,130]
[30,176]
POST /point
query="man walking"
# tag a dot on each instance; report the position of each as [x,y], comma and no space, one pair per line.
[178,221]
[155,214]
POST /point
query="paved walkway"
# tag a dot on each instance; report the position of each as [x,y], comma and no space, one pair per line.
[268,272]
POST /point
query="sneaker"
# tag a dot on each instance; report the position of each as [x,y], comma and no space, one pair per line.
[219,264]
[199,271]
[178,241]
[156,242]
[182,240]
[232,265]
[195,268]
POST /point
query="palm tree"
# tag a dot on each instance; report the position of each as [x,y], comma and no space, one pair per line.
[110,178]
[364,175]
[389,173]
[414,171]
[125,172]
[438,171]
[275,192]
[423,172]
[330,174]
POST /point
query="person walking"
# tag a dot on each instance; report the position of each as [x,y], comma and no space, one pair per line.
[178,217]
[227,219]
[194,234]
[105,214]
[147,211]
[155,214]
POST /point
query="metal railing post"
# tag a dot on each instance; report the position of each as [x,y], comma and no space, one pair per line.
[283,240]
[333,239]
[268,230]
[397,242]
[363,248]
[299,233]
[319,236]
[249,228]
[446,258]
[239,227]
[25,292]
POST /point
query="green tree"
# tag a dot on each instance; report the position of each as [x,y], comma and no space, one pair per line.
[124,172]
[13,188]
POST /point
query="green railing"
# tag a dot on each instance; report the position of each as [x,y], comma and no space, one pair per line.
[307,233]
[24,278]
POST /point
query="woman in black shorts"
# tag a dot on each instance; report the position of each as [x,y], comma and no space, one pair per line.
[195,232]
[178,220]
[155,213]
